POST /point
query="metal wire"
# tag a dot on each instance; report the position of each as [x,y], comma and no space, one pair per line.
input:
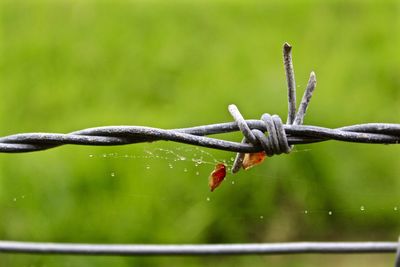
[294,131]
[217,249]
[372,133]
[267,134]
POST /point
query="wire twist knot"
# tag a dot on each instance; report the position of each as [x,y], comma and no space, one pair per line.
[274,143]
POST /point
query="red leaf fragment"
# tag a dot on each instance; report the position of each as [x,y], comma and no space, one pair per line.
[252,159]
[217,176]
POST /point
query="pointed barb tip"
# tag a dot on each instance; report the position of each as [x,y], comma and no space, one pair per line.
[287,47]
[313,77]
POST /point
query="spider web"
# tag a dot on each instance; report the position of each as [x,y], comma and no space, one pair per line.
[184,158]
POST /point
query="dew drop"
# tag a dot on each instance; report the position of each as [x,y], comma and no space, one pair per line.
[208,199]
[362,208]
[112,174]
[232,158]
[233,182]
[185,170]
[90,156]
[197,173]
[104,155]
[197,162]
[306,212]
[395,208]
[14,199]
[330,213]
[261,217]
[170,166]
[182,158]
[147,167]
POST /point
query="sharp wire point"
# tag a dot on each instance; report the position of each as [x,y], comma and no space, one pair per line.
[291,82]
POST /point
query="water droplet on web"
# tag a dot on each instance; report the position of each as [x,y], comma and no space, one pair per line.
[330,213]
[182,158]
[261,217]
[104,155]
[197,173]
[90,156]
[112,174]
[306,212]
[395,208]
[170,165]
[233,182]
[14,199]
[23,196]
[147,167]
[185,170]
[208,199]
[362,208]
[232,159]
[197,162]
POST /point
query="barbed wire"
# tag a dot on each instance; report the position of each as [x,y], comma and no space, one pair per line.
[268,134]
[377,133]
[196,249]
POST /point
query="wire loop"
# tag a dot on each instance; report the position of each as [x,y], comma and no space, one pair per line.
[274,143]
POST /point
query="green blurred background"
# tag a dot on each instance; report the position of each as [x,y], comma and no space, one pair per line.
[68,65]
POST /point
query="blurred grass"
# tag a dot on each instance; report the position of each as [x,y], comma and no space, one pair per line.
[71,65]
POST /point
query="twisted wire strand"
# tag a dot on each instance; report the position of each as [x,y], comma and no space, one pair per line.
[268,134]
[371,133]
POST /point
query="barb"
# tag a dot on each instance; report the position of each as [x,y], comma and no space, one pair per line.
[268,134]
[291,83]
[216,249]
